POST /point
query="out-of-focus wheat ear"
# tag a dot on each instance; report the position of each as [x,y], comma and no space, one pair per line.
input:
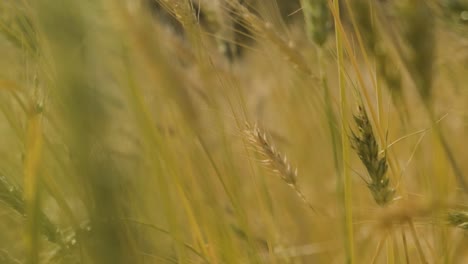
[363,141]
[274,160]
[318,20]
[265,29]
[368,32]
[12,196]
[418,33]
[17,26]
[458,218]
[388,70]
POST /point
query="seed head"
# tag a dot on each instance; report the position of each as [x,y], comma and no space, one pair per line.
[271,158]
[364,143]
[317,20]
[458,219]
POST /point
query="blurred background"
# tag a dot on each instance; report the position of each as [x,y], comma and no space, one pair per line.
[157,131]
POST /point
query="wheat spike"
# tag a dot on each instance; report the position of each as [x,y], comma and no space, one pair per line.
[274,160]
[458,219]
[365,144]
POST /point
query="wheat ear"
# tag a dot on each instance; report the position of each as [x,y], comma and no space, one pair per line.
[363,141]
[458,219]
[274,160]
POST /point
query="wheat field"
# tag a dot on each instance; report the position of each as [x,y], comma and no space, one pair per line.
[233,131]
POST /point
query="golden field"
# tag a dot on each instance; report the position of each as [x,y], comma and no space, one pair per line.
[233,131]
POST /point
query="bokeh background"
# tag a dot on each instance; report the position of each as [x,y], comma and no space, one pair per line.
[126,131]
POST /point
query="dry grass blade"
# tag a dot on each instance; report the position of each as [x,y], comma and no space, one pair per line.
[365,144]
[274,160]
